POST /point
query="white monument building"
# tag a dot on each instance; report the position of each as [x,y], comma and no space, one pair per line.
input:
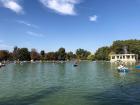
[123,57]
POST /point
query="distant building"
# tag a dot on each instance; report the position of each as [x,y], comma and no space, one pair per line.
[123,57]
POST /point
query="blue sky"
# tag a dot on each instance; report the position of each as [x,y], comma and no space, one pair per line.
[51,24]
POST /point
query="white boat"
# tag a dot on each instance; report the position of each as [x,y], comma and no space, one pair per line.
[1,64]
[122,68]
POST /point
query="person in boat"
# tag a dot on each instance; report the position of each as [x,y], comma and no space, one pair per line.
[122,66]
[75,63]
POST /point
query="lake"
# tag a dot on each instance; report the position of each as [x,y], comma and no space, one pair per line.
[90,83]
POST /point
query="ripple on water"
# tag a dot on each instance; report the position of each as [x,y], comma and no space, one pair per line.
[91,83]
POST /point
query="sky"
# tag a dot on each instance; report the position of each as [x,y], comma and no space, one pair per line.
[72,24]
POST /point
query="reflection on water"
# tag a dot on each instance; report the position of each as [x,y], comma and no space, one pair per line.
[91,83]
[30,99]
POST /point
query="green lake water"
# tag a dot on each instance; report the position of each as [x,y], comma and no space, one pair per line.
[91,83]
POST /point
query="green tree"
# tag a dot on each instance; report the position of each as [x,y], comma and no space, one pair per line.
[69,55]
[61,54]
[102,53]
[132,46]
[51,56]
[4,55]
[91,57]
[42,53]
[24,54]
[16,53]
[34,55]
[82,54]
[10,58]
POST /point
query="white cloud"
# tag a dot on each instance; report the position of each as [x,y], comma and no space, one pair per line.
[34,34]
[12,5]
[65,7]
[27,24]
[93,18]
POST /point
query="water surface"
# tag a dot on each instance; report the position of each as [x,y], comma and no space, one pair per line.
[91,83]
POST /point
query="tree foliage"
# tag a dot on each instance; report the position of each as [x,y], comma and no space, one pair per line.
[82,54]
[132,46]
[34,54]
[51,56]
[23,54]
[119,47]
[61,54]
[16,53]
[42,54]
[102,53]
[4,55]
[91,57]
[70,56]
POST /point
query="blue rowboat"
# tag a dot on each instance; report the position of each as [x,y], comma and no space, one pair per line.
[75,65]
[123,70]
[137,67]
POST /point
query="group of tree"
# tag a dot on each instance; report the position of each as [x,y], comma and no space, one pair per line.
[119,47]
[103,53]
[23,54]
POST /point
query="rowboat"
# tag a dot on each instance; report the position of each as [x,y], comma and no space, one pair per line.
[122,69]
